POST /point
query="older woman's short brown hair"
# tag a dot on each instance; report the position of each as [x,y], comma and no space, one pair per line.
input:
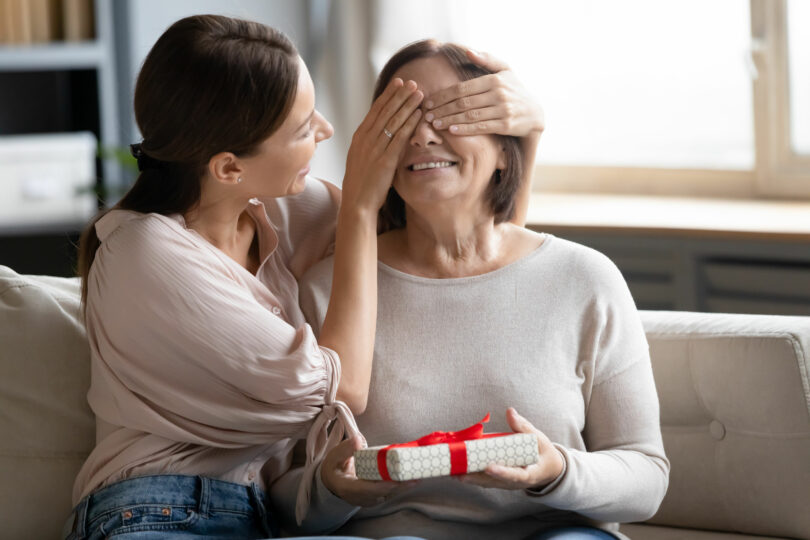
[504,184]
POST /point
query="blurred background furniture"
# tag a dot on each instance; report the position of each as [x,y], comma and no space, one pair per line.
[735,414]
[692,254]
[704,206]
[61,81]
[79,76]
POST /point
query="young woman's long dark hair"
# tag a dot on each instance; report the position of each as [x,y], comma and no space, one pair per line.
[210,84]
[503,185]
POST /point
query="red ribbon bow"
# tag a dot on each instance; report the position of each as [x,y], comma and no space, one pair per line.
[454,439]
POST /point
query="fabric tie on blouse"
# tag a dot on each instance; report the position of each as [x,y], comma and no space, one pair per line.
[319,441]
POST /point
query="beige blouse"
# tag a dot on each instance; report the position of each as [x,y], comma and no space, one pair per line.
[198,366]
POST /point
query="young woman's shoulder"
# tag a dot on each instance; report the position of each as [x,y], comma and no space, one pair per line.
[152,251]
[305,223]
[319,202]
[133,234]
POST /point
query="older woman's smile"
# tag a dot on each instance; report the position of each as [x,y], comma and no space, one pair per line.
[431,165]
[429,162]
[441,173]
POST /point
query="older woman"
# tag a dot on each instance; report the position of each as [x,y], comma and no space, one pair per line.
[478,314]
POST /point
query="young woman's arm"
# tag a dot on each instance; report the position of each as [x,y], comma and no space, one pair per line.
[350,321]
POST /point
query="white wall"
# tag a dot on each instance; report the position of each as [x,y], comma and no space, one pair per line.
[141,22]
[330,35]
[149,18]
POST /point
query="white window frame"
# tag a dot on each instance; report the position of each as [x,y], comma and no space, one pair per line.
[778,171]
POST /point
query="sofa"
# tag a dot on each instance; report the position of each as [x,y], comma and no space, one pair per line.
[735,414]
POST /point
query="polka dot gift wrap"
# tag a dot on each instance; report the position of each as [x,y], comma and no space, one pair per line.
[409,463]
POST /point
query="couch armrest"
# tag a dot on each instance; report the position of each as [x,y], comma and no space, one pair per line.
[735,416]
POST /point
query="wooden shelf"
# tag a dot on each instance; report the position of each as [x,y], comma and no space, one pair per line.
[34,229]
[52,56]
[668,216]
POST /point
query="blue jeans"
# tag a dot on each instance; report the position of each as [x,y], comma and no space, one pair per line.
[172,506]
[166,506]
[573,533]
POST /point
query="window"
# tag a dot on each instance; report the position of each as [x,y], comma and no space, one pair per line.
[781,111]
[799,74]
[671,97]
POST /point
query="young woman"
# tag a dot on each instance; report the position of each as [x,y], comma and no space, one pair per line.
[204,372]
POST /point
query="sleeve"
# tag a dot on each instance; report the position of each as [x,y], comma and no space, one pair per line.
[327,511]
[624,474]
[188,354]
[305,224]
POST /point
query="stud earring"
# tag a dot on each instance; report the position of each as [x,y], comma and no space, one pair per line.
[239,180]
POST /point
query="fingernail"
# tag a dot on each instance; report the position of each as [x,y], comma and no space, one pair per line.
[429,104]
[454,129]
[429,117]
[437,123]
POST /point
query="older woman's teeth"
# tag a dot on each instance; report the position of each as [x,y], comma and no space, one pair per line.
[431,165]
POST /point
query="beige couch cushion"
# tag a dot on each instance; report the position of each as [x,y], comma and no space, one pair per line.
[46,425]
[735,415]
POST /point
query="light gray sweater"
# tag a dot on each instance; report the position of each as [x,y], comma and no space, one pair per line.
[557,336]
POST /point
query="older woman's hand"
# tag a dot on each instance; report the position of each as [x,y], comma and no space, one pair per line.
[338,475]
[498,104]
[536,476]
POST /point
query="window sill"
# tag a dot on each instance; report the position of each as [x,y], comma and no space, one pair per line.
[671,216]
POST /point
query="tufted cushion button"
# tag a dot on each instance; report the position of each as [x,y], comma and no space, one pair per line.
[717,429]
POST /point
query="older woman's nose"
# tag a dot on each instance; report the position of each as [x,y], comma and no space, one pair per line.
[425,135]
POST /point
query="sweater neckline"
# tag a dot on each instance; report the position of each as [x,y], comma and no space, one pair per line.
[514,265]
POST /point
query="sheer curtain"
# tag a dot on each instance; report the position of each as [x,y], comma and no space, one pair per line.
[624,83]
[341,69]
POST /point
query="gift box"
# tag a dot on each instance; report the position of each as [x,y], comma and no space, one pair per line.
[446,453]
